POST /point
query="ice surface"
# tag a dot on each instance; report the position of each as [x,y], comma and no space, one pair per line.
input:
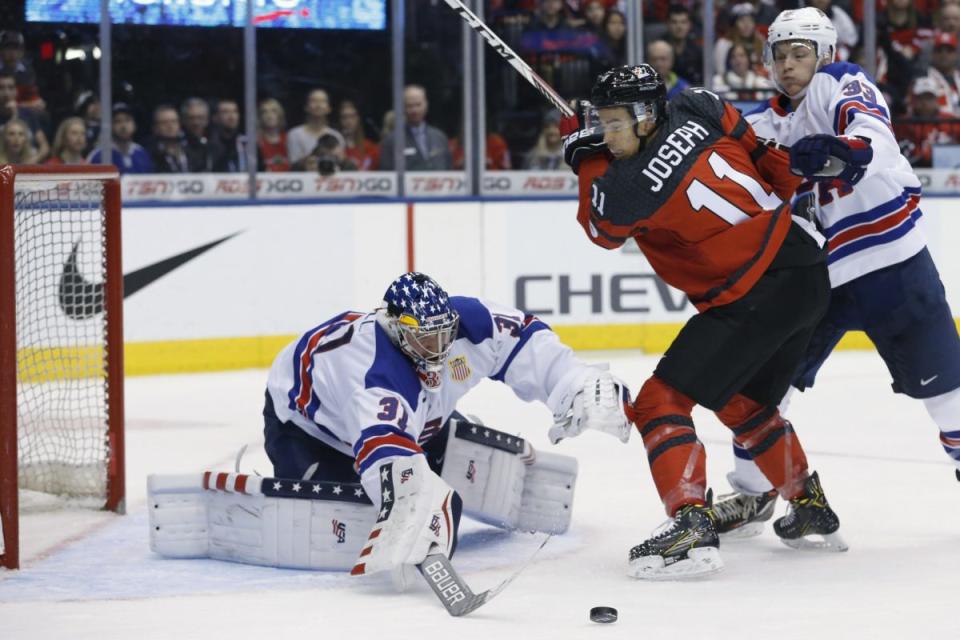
[91,575]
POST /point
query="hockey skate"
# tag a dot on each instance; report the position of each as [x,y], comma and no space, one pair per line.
[810,515]
[742,516]
[685,547]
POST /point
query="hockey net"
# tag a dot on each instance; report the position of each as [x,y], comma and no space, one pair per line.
[61,343]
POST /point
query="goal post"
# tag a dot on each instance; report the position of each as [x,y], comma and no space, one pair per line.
[61,342]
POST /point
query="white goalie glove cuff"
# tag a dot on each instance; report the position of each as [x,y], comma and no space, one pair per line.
[596,401]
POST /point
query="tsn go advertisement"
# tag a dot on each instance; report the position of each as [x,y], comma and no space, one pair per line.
[294,186]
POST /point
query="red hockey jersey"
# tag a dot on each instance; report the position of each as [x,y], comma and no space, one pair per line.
[705,200]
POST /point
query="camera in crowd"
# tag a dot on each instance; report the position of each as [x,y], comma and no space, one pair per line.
[329,156]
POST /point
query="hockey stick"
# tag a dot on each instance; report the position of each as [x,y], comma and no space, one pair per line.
[453,591]
[510,56]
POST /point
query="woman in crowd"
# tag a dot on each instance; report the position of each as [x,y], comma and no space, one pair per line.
[547,153]
[739,81]
[615,36]
[16,145]
[272,135]
[742,30]
[69,142]
[595,14]
[363,151]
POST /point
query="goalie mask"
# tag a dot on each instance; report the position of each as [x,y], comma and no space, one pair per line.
[639,89]
[419,319]
[809,28]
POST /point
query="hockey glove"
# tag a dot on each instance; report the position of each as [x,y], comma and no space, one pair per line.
[578,141]
[824,157]
[599,403]
[418,514]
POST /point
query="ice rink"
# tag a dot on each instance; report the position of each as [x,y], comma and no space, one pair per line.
[92,575]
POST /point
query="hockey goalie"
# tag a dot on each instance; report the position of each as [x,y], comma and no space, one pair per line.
[373,465]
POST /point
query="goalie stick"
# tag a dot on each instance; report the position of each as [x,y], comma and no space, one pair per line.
[510,56]
[453,591]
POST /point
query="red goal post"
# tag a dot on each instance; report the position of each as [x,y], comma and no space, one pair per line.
[61,341]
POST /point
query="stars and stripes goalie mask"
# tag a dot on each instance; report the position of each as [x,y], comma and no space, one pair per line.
[419,319]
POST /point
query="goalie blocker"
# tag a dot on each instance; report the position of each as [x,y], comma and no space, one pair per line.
[305,524]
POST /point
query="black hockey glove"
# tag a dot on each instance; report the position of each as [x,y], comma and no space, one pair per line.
[579,142]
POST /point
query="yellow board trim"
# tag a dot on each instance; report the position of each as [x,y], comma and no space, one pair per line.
[653,338]
[212,354]
[222,354]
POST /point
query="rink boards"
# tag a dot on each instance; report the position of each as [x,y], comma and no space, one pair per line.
[280,269]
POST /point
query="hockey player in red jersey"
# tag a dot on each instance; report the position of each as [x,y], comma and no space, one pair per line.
[709,205]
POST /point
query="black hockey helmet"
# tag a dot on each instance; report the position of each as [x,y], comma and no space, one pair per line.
[639,88]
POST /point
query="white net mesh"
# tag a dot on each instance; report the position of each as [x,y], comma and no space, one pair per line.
[62,432]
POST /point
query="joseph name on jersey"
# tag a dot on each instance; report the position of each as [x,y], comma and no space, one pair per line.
[703,199]
[874,224]
[346,384]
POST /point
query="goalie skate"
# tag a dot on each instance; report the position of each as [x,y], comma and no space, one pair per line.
[740,515]
[683,548]
[810,523]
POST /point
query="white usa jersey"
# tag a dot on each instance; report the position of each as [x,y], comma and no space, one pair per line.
[874,224]
[346,384]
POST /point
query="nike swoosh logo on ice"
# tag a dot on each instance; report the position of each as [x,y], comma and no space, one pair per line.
[80,299]
[924,383]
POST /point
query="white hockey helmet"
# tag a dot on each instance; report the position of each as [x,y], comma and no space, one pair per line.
[808,24]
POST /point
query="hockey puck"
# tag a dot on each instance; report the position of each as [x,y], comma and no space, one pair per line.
[603,615]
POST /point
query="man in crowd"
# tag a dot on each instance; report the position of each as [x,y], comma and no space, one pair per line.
[10,109]
[195,117]
[126,155]
[687,54]
[228,147]
[167,148]
[425,148]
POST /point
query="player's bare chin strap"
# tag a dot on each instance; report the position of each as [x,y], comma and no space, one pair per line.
[676,456]
[770,439]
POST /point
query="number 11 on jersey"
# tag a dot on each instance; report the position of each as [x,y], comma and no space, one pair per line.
[701,196]
[598,199]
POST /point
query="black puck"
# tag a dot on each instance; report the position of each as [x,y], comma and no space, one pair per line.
[603,615]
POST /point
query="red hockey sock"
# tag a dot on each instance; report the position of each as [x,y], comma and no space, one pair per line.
[677,458]
[770,440]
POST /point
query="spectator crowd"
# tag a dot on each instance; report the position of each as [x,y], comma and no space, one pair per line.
[566,41]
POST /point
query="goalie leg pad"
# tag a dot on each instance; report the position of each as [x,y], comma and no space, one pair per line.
[505,483]
[325,527]
[548,489]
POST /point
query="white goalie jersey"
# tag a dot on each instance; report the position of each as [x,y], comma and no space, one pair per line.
[874,224]
[347,385]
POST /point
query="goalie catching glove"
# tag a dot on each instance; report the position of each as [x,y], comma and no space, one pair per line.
[598,402]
